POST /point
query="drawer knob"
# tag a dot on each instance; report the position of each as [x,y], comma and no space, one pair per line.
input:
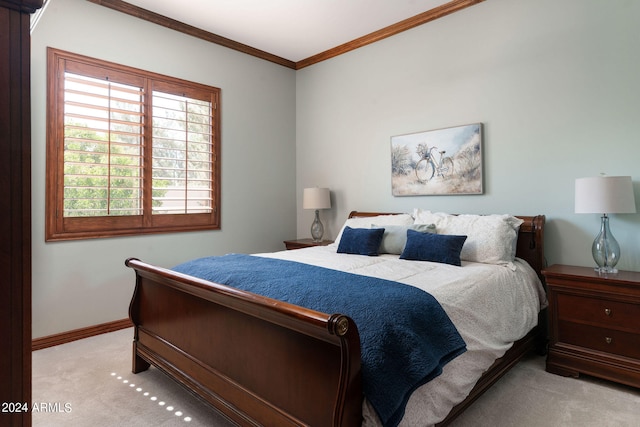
[607,311]
[608,340]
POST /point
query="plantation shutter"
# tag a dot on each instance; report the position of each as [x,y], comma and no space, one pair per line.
[182,161]
[103,164]
[103,128]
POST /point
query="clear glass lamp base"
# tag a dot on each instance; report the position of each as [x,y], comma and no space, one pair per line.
[606,270]
[317,230]
[605,249]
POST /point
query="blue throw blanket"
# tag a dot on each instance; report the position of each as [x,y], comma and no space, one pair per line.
[406,337]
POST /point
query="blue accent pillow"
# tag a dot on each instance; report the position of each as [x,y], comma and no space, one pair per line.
[443,248]
[360,241]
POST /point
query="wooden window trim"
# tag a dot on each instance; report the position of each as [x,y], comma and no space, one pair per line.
[58,227]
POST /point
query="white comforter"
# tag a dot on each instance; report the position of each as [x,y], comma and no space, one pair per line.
[491,305]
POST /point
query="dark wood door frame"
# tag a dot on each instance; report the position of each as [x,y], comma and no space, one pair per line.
[15,210]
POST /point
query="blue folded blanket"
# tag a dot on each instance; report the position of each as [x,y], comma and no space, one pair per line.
[406,337]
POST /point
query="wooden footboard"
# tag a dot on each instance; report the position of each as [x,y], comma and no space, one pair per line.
[259,361]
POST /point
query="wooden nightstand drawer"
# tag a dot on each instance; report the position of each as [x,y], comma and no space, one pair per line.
[599,312]
[600,339]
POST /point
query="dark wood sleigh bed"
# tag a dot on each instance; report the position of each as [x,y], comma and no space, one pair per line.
[264,362]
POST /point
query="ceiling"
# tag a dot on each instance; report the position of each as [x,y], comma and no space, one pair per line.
[290,29]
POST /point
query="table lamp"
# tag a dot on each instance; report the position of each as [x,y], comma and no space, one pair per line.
[316,198]
[605,195]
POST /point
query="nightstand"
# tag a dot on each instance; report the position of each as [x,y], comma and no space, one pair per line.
[594,323]
[305,243]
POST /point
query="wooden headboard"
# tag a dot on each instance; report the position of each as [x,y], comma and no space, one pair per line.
[530,238]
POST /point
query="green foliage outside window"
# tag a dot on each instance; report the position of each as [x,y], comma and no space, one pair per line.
[92,187]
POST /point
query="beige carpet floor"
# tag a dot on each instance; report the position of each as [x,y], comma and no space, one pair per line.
[89,383]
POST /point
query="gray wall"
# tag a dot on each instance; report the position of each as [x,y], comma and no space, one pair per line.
[83,283]
[555,83]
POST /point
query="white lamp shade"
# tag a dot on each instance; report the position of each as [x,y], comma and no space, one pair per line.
[605,195]
[316,198]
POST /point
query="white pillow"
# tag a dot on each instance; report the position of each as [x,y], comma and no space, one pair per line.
[394,238]
[491,239]
[366,221]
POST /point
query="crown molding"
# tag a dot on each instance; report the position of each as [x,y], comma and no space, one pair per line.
[391,30]
[24,6]
[164,21]
[147,15]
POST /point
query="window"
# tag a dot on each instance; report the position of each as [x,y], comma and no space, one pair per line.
[128,151]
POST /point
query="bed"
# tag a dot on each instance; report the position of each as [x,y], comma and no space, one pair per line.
[263,361]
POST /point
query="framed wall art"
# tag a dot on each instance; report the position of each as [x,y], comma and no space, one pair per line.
[437,162]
